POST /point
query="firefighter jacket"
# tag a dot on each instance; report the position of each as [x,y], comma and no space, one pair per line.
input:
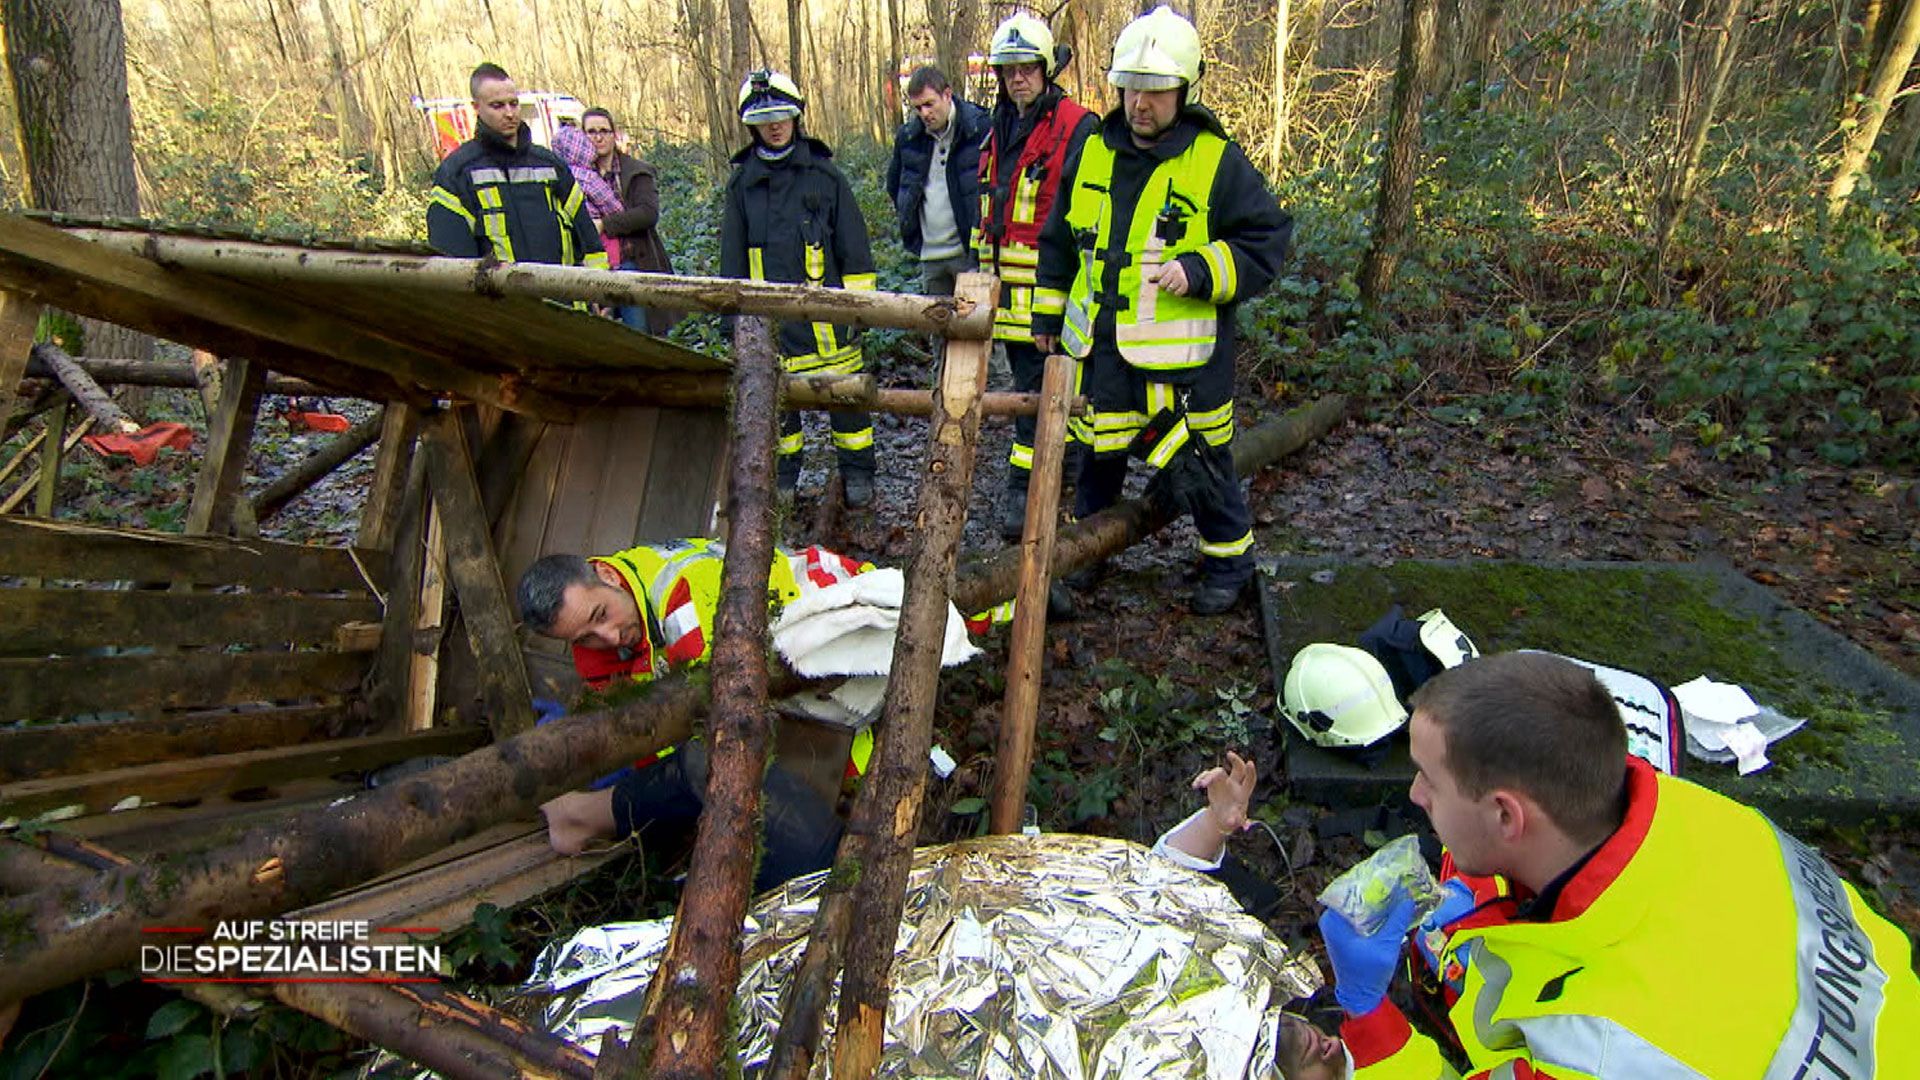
[513,203]
[1698,941]
[795,220]
[1020,172]
[677,588]
[1126,211]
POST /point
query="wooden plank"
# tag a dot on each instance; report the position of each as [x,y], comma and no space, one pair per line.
[19,321]
[626,460]
[576,490]
[229,436]
[39,622]
[393,669]
[685,480]
[382,510]
[64,550]
[96,792]
[45,689]
[196,824]
[42,750]
[430,617]
[501,462]
[475,576]
[522,530]
[53,267]
[56,452]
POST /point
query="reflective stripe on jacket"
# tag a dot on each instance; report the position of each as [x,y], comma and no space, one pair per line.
[1699,940]
[1015,198]
[1154,330]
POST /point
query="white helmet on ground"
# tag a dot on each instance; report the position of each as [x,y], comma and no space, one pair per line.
[1023,39]
[1157,51]
[1340,697]
[767,96]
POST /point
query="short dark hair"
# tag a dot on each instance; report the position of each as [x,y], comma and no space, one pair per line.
[599,112]
[1537,723]
[927,77]
[486,72]
[544,587]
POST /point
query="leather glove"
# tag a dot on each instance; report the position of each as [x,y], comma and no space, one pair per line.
[1456,899]
[1363,964]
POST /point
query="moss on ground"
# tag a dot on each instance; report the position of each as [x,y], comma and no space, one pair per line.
[1671,623]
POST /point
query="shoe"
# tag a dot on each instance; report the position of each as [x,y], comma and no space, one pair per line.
[857,486]
[1013,514]
[1215,598]
[1060,603]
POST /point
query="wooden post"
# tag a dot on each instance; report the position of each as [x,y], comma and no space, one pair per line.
[475,574]
[229,434]
[50,461]
[689,1015]
[392,676]
[205,370]
[380,515]
[430,618]
[1027,648]
[19,321]
[867,886]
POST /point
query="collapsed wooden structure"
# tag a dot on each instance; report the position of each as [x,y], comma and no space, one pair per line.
[227,695]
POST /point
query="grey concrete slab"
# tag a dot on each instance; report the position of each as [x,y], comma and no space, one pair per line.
[1857,760]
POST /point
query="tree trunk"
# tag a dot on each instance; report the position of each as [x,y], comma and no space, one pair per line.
[1684,174]
[739,38]
[796,16]
[349,118]
[1282,100]
[1486,38]
[1872,115]
[98,403]
[1394,209]
[68,64]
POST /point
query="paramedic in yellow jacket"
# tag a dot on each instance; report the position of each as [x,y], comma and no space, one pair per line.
[1604,920]
[638,614]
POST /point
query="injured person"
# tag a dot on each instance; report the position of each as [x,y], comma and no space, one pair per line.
[637,615]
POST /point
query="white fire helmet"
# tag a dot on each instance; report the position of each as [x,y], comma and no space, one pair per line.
[1157,51]
[1340,697]
[767,96]
[1023,39]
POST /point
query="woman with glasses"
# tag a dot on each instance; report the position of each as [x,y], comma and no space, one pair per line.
[636,225]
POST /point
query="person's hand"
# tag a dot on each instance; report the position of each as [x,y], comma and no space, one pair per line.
[1172,278]
[1456,899]
[1363,964]
[1229,791]
[1048,344]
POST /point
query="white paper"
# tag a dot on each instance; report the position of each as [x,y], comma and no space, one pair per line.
[1749,747]
[1717,702]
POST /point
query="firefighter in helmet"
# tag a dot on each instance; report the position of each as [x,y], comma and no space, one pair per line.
[791,217]
[1035,140]
[1162,228]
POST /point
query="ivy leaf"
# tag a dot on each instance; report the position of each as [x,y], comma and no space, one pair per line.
[185,1058]
[968,806]
[171,1018]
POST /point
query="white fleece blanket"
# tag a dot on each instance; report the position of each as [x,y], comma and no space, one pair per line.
[848,629]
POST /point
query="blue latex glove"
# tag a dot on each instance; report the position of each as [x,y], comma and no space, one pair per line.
[1363,964]
[1456,899]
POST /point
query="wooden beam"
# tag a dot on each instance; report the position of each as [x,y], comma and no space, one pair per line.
[19,322]
[87,392]
[1026,648]
[318,465]
[387,693]
[97,792]
[56,452]
[64,550]
[244,319]
[42,750]
[229,436]
[206,370]
[382,509]
[431,621]
[475,573]
[45,689]
[40,622]
[831,393]
[271,263]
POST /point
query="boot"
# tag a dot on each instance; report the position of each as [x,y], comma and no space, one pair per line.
[857,486]
[1215,596]
[1013,513]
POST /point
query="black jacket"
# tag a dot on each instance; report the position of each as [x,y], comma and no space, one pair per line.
[783,208]
[539,211]
[912,155]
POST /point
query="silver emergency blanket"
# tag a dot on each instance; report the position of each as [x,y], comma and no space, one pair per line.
[1053,957]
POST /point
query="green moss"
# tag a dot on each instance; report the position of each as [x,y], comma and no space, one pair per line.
[845,875]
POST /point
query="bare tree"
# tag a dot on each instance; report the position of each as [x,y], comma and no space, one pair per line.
[1871,114]
[68,62]
[1282,100]
[1394,209]
[1682,174]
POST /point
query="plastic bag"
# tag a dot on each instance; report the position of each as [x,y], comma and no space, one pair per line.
[1364,894]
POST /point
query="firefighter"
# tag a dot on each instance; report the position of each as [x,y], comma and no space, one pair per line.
[501,196]
[1035,139]
[638,614]
[1161,229]
[1604,920]
[791,217]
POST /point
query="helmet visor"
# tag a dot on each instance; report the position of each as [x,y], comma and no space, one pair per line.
[766,110]
[1140,80]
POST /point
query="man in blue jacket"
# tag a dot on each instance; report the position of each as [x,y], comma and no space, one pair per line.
[934,179]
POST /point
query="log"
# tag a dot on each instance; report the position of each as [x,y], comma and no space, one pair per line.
[449,1033]
[1013,759]
[317,466]
[690,1000]
[229,435]
[173,374]
[991,580]
[272,264]
[98,403]
[829,393]
[866,888]
[56,936]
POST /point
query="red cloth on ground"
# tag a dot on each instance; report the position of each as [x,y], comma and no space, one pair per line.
[143,445]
